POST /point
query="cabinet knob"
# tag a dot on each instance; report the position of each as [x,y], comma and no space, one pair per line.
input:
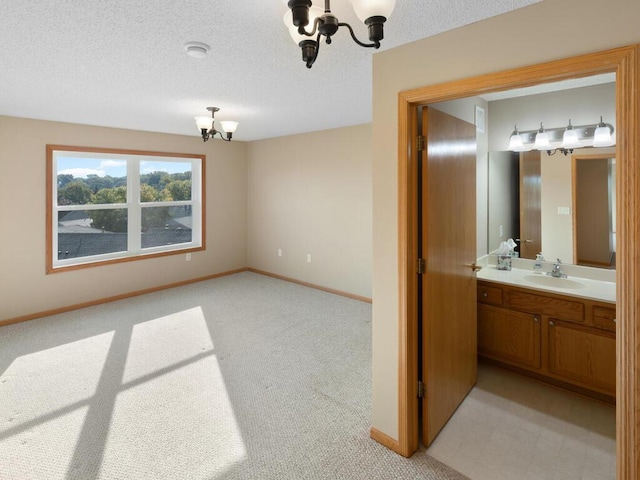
[536,319]
[485,294]
[551,324]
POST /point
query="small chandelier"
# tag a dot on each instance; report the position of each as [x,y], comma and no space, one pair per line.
[207,127]
[324,24]
[563,139]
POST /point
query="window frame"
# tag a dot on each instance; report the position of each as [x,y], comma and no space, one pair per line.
[133,205]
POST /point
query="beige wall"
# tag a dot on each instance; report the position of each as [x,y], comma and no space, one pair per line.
[24,286]
[310,194]
[527,36]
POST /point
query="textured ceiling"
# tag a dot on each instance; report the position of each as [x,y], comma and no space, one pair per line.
[121,63]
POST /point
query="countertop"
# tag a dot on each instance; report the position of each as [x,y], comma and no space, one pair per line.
[590,289]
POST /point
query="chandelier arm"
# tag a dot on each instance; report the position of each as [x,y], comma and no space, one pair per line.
[316,24]
[221,136]
[311,61]
[353,36]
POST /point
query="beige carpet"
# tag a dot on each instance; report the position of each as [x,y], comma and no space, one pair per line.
[242,377]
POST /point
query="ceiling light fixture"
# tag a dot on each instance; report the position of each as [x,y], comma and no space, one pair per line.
[564,139]
[324,24]
[207,127]
[197,49]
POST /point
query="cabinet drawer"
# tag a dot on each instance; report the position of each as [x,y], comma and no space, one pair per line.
[490,295]
[545,305]
[604,318]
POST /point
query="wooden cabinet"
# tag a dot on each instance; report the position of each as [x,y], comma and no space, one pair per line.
[507,335]
[582,355]
[565,340]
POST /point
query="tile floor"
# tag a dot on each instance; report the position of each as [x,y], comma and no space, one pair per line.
[512,428]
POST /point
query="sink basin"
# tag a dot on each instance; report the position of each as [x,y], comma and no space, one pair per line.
[549,281]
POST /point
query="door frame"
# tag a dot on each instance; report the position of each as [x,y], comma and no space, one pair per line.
[625,62]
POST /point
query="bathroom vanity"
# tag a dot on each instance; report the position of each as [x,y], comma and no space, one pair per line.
[565,336]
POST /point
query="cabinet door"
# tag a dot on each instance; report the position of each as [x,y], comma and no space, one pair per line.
[508,336]
[584,356]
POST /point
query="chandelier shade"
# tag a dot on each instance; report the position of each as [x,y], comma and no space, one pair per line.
[314,12]
[373,8]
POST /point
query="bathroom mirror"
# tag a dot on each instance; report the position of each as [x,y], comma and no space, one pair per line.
[576,203]
[548,209]
[561,233]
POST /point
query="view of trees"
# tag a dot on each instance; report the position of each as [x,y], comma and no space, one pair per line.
[154,187]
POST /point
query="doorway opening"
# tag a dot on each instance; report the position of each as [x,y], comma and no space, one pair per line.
[623,62]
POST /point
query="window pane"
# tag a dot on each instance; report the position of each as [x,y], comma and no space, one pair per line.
[92,232]
[166,225]
[90,180]
[165,181]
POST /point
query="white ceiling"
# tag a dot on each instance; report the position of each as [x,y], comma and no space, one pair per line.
[121,63]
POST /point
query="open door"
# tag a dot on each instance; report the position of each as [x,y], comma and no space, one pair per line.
[530,205]
[449,333]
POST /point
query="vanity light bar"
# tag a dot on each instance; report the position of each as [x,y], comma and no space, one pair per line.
[595,135]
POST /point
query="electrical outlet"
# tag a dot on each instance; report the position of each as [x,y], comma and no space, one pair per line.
[308,258]
[501,231]
[564,211]
[279,252]
[188,257]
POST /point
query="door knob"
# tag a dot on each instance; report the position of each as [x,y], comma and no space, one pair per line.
[475,268]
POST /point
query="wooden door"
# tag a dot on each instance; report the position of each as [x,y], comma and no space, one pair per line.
[530,203]
[449,340]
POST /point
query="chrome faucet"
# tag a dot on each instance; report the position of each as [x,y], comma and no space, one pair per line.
[555,271]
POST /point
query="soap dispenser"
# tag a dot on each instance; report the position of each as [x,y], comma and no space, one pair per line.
[537,265]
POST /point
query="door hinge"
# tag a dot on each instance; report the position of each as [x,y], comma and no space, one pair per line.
[420,143]
[422,266]
[421,389]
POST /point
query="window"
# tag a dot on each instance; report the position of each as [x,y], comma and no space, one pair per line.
[106,206]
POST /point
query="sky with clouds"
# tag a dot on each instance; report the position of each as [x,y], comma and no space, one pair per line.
[82,167]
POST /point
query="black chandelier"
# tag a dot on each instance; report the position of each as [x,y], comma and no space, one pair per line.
[325,24]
